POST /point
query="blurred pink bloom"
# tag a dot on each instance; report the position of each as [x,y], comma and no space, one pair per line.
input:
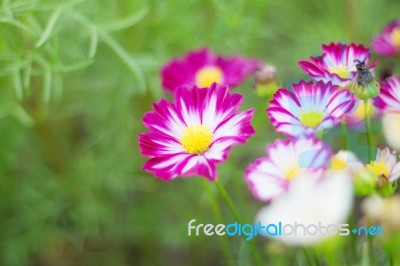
[271,176]
[201,68]
[388,41]
[389,96]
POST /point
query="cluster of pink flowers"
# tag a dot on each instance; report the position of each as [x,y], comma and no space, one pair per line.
[195,131]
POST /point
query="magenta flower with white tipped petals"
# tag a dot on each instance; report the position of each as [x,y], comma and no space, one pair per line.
[388,40]
[201,68]
[389,96]
[188,137]
[337,63]
[310,108]
[271,176]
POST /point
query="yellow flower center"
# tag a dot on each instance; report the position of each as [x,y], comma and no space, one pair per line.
[338,164]
[207,75]
[395,36]
[378,168]
[292,173]
[311,119]
[340,71]
[196,139]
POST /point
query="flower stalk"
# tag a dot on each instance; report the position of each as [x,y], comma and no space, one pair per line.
[235,214]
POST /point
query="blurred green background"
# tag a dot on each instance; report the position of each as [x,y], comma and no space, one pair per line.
[77,76]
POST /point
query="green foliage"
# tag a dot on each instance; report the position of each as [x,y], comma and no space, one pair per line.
[77,76]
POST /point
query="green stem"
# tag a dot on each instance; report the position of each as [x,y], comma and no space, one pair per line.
[317,263]
[308,256]
[228,201]
[345,136]
[368,131]
[370,158]
[371,250]
[391,260]
[353,239]
[218,218]
[235,214]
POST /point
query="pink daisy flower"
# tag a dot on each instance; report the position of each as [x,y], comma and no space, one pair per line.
[388,41]
[286,160]
[188,137]
[337,63]
[388,101]
[310,108]
[201,68]
[389,96]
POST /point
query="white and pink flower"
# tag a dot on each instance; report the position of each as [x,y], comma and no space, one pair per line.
[310,108]
[270,176]
[388,41]
[188,137]
[337,63]
[388,102]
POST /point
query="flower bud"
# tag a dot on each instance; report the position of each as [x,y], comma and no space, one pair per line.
[366,91]
[265,82]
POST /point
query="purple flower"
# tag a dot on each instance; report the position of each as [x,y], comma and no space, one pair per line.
[310,108]
[389,96]
[337,63]
[286,160]
[188,137]
[388,41]
[201,68]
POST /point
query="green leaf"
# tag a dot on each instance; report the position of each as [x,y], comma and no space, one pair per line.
[126,22]
[49,28]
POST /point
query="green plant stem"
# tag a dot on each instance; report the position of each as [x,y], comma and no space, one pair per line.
[371,250]
[353,239]
[345,133]
[317,263]
[229,257]
[308,256]
[368,131]
[235,214]
[370,158]
[228,201]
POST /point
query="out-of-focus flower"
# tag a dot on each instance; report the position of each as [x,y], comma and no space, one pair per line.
[270,176]
[389,97]
[201,68]
[337,63]
[388,40]
[391,129]
[327,202]
[309,109]
[356,116]
[386,169]
[189,136]
[388,102]
[385,213]
[364,182]
[265,81]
